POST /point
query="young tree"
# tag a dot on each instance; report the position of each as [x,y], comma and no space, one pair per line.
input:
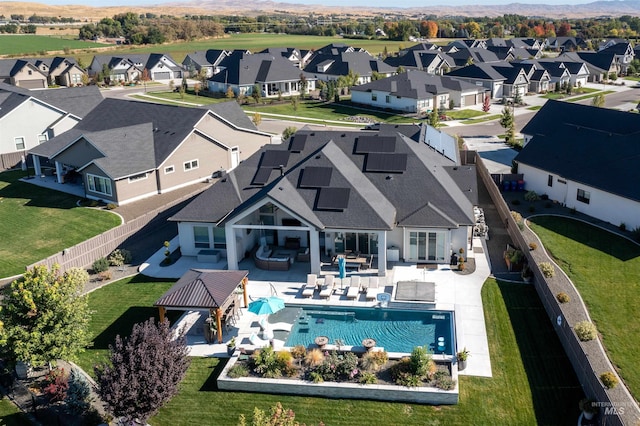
[256,93]
[288,132]
[230,93]
[143,371]
[303,85]
[434,118]
[196,88]
[257,119]
[486,104]
[294,103]
[508,123]
[598,100]
[78,397]
[46,316]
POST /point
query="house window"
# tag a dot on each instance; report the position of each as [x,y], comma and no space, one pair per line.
[583,196]
[201,237]
[190,165]
[169,169]
[550,180]
[76,78]
[43,138]
[99,184]
[374,97]
[19,143]
[140,176]
[30,72]
[219,239]
[387,99]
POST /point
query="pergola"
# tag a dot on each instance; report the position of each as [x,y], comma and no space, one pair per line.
[215,290]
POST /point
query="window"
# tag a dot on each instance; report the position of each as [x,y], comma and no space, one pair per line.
[19,143]
[583,196]
[138,177]
[99,184]
[387,99]
[169,169]
[43,138]
[550,180]
[190,165]
[219,239]
[374,97]
[76,78]
[201,237]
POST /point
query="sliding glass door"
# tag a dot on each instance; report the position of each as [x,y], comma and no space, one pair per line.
[426,246]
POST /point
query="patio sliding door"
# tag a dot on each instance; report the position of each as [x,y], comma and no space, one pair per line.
[426,246]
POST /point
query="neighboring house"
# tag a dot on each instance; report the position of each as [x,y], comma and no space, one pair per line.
[578,72]
[207,60]
[359,63]
[22,73]
[275,75]
[559,75]
[598,66]
[289,53]
[469,44]
[516,81]
[29,118]
[125,151]
[585,158]
[474,55]
[418,92]
[60,70]
[429,61]
[538,77]
[482,75]
[131,68]
[565,44]
[623,52]
[334,191]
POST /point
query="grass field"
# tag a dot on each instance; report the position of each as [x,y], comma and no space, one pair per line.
[10,415]
[591,95]
[483,119]
[28,44]
[530,385]
[36,222]
[465,114]
[605,269]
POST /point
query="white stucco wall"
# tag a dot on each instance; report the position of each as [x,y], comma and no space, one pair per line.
[28,120]
[395,103]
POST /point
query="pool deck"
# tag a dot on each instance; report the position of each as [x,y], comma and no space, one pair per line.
[453,291]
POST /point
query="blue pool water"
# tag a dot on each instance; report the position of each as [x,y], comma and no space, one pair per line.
[394,330]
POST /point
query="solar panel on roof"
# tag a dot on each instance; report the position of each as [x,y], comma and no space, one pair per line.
[274,159]
[315,177]
[388,163]
[297,143]
[333,198]
[262,176]
[366,144]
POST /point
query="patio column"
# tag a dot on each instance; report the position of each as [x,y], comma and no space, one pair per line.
[36,165]
[59,172]
[314,251]
[218,315]
[161,311]
[230,236]
[382,253]
[245,280]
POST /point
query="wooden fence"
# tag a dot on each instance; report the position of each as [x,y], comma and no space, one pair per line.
[587,358]
[12,160]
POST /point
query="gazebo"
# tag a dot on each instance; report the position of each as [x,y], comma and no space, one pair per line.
[215,290]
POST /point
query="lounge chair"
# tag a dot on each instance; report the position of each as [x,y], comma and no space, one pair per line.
[354,288]
[258,342]
[372,289]
[327,288]
[310,287]
[276,326]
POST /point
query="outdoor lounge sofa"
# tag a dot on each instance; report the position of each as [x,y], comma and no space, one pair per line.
[263,260]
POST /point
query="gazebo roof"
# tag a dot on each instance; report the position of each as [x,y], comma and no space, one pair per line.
[202,288]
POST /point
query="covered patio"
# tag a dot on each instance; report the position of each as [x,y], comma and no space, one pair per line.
[216,291]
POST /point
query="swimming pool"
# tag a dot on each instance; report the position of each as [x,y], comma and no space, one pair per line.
[394,330]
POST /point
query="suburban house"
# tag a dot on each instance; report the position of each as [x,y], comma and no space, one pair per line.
[472,55]
[331,66]
[585,158]
[565,44]
[60,70]
[578,72]
[429,61]
[22,73]
[469,43]
[538,77]
[31,117]
[296,56]
[623,52]
[125,151]
[516,82]
[132,68]
[559,75]
[598,66]
[329,192]
[207,60]
[275,75]
[482,75]
[417,91]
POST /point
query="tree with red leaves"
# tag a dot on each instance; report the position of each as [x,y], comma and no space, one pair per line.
[486,105]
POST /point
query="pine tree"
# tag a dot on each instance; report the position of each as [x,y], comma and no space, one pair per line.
[79,393]
[434,118]
[143,371]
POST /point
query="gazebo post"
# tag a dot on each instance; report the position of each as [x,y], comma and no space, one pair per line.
[245,280]
[161,311]
[218,314]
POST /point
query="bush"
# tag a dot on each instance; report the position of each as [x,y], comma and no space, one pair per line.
[585,331]
[533,245]
[77,275]
[419,361]
[623,226]
[55,385]
[544,197]
[238,370]
[100,265]
[78,397]
[401,374]
[517,217]
[298,352]
[367,378]
[547,269]
[609,380]
[111,206]
[119,257]
[267,363]
[563,297]
[314,357]
[445,383]
[338,367]
[105,275]
[373,360]
[531,196]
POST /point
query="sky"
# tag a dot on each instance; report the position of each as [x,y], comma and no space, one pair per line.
[378,3]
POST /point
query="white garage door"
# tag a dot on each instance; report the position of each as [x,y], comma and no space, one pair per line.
[32,84]
[162,76]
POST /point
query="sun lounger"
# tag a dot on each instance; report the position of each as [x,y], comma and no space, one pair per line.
[276,326]
[353,291]
[258,342]
[326,291]
[372,289]
[310,287]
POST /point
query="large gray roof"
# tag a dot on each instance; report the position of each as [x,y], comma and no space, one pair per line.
[245,69]
[424,194]
[359,62]
[78,101]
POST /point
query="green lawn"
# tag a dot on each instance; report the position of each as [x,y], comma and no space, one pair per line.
[605,269]
[534,108]
[592,95]
[482,120]
[554,95]
[10,415]
[29,44]
[31,220]
[464,114]
[532,381]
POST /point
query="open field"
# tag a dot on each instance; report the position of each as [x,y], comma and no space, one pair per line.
[605,269]
[29,45]
[36,222]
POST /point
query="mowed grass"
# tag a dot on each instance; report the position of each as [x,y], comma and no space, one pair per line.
[532,383]
[29,44]
[464,114]
[36,222]
[605,269]
[10,415]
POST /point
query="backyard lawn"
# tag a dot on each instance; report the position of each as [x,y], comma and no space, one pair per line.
[36,222]
[529,385]
[605,269]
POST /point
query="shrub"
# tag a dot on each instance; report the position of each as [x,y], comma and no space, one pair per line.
[267,364]
[119,257]
[315,377]
[238,370]
[105,275]
[585,331]
[533,245]
[544,197]
[77,275]
[419,361]
[78,397]
[55,385]
[563,297]
[609,380]
[516,216]
[373,360]
[100,265]
[401,374]
[298,352]
[623,226]
[531,196]
[547,269]
[336,368]
[314,357]
[445,383]
[367,378]
[111,206]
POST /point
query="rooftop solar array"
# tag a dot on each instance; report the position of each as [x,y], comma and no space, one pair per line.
[366,144]
[333,198]
[387,163]
[262,176]
[316,177]
[297,143]
[274,159]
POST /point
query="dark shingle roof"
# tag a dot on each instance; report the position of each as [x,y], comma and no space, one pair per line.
[78,101]
[376,200]
[202,288]
[479,71]
[360,63]
[245,69]
[583,144]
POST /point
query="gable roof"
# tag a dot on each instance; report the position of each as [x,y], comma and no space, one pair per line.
[419,59]
[359,62]
[244,69]
[373,199]
[584,144]
[480,71]
[206,57]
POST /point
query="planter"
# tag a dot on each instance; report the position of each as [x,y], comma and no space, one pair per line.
[462,365]
[321,341]
[23,370]
[231,350]
[369,344]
